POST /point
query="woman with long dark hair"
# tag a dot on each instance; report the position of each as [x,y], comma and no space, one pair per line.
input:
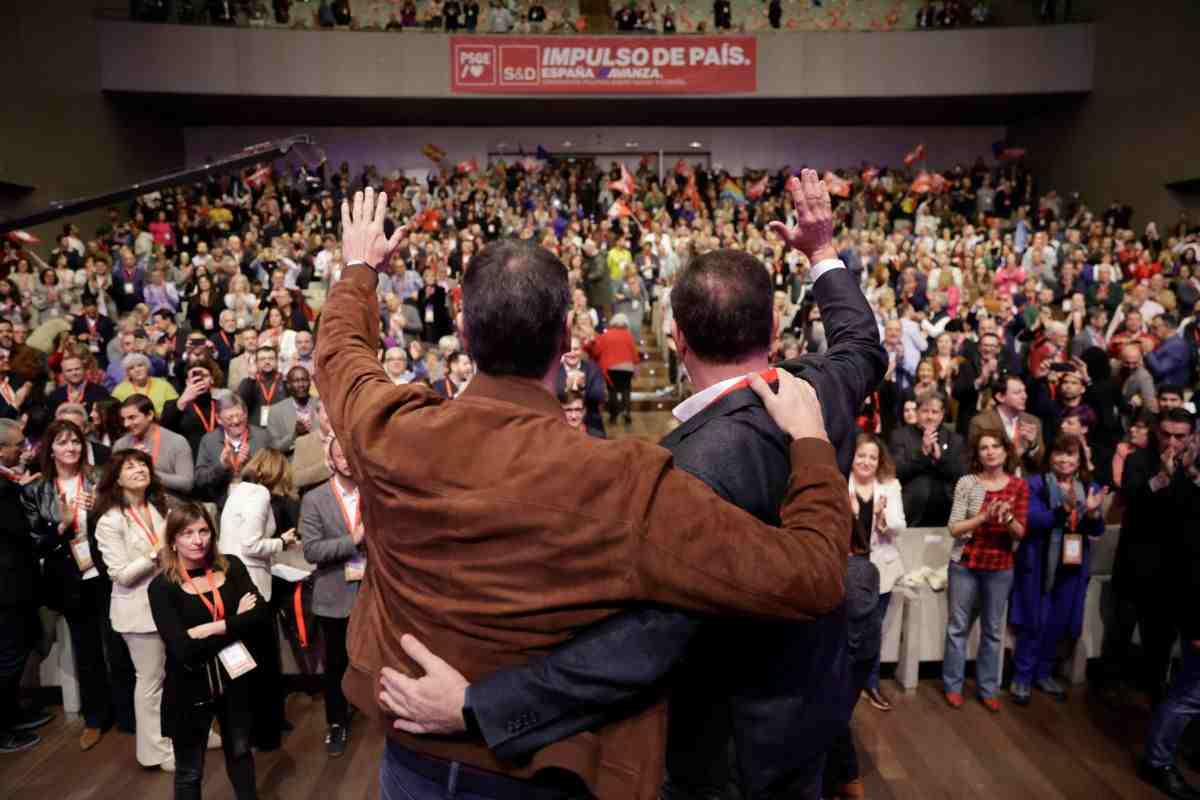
[60,509]
[205,607]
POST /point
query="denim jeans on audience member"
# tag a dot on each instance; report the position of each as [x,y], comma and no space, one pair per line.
[1175,712]
[881,610]
[983,594]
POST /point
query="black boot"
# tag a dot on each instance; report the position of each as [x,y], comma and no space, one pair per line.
[1168,780]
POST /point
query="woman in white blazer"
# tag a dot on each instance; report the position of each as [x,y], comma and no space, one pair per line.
[129,533]
[247,522]
[876,501]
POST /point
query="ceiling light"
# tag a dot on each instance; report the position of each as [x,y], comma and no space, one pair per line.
[695,145]
[568,143]
[631,144]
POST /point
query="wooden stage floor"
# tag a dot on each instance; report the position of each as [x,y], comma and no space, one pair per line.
[1078,750]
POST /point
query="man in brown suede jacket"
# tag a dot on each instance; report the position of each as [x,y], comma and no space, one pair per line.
[494,531]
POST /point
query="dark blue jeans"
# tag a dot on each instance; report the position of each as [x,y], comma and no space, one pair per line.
[398,781]
[881,610]
[1174,713]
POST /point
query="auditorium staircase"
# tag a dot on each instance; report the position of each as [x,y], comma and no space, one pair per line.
[653,395]
[599,15]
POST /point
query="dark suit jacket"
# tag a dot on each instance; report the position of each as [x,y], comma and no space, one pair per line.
[91,393]
[595,392]
[928,484]
[786,683]
[17,564]
[440,325]
[105,330]
[1152,527]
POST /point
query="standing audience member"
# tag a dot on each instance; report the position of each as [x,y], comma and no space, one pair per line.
[929,459]
[265,389]
[876,500]
[459,370]
[616,353]
[573,412]
[990,507]
[194,412]
[1052,566]
[577,374]
[170,454]
[295,416]
[224,451]
[205,608]
[331,527]
[1021,429]
[75,388]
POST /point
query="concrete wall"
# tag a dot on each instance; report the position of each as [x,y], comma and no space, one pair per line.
[58,132]
[734,148]
[282,63]
[1139,129]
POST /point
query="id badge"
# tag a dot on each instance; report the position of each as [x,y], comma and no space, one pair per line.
[236,659]
[1072,553]
[128,287]
[428,315]
[82,551]
[93,347]
[208,323]
[355,568]
[263,414]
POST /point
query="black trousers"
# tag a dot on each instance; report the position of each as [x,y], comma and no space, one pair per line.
[191,743]
[90,632]
[266,688]
[16,642]
[841,761]
[619,399]
[1139,605]
[333,632]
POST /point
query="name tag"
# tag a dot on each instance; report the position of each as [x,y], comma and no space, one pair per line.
[237,660]
[636,305]
[1072,553]
[263,414]
[82,552]
[355,569]
[95,348]
[208,323]
[185,240]
[428,315]
[128,287]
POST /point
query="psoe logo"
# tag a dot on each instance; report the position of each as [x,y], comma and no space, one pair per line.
[475,65]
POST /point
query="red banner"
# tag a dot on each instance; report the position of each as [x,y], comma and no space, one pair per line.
[602,65]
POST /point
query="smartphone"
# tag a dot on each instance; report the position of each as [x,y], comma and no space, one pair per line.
[1062,366]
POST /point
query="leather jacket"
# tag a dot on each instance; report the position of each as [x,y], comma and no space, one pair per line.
[61,577]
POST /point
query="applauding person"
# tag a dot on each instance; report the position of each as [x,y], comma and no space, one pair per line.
[224,451]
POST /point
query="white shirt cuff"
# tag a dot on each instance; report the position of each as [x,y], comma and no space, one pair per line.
[823,266]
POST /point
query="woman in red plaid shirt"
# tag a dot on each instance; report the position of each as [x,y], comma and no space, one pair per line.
[987,520]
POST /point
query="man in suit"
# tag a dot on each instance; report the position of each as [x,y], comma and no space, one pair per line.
[783,691]
[224,338]
[583,376]
[492,553]
[1093,334]
[242,366]
[459,370]
[265,389]
[94,330]
[1151,532]
[1008,414]
[76,388]
[434,310]
[18,606]
[930,459]
[224,451]
[980,367]
[295,416]
[332,532]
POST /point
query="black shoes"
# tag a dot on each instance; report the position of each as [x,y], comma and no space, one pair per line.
[336,740]
[1168,780]
[32,719]
[16,741]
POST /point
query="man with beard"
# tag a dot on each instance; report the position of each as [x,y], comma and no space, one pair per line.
[265,389]
[783,692]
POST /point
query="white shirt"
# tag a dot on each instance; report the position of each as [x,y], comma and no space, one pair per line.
[349,501]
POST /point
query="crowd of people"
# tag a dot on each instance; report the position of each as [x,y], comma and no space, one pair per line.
[162,442]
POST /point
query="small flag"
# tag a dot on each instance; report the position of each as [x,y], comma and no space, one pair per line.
[758,188]
[24,237]
[838,187]
[258,177]
[914,155]
[1012,153]
[433,153]
[923,183]
[869,175]
[626,185]
[731,191]
[619,208]
[467,167]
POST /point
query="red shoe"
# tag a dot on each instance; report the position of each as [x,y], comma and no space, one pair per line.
[991,704]
[955,699]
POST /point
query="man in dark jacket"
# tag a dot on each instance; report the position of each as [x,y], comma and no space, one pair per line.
[435,313]
[783,691]
[929,461]
[18,609]
[579,375]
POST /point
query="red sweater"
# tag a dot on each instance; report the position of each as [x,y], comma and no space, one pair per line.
[614,346]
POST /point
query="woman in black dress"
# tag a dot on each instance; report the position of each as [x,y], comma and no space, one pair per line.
[205,607]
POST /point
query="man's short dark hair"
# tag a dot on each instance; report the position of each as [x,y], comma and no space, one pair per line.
[724,306]
[1170,388]
[143,404]
[1000,383]
[515,300]
[1178,414]
[455,356]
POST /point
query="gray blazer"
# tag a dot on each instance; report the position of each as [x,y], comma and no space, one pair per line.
[281,423]
[213,477]
[327,544]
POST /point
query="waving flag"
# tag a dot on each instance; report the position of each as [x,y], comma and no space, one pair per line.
[758,188]
[682,168]
[731,191]
[24,237]
[433,153]
[915,155]
[467,167]
[869,175]
[938,183]
[257,178]
[620,208]
[923,183]
[626,185]
[531,165]
[838,187]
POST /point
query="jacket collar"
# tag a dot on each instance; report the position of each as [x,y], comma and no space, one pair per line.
[525,392]
[723,406]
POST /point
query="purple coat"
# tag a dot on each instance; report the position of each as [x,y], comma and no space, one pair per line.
[1025,606]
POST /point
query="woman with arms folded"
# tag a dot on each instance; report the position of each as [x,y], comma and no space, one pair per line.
[1052,566]
[986,519]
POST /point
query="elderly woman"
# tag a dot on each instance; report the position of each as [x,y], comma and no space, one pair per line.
[1051,575]
[138,381]
[616,353]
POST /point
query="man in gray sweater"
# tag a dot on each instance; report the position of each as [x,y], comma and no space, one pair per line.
[170,452]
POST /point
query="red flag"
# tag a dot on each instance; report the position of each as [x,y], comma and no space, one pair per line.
[758,188]
[433,153]
[692,192]
[922,183]
[626,185]
[257,178]
[683,168]
[531,165]
[915,155]
[838,187]
[869,175]
[24,237]
[938,183]
[467,167]
[619,209]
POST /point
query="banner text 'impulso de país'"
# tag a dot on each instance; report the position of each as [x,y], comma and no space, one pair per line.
[602,65]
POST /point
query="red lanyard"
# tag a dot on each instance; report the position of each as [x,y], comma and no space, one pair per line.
[351,525]
[218,610]
[770,376]
[64,499]
[76,398]
[225,339]
[267,396]
[6,390]
[240,453]
[211,421]
[147,525]
[153,452]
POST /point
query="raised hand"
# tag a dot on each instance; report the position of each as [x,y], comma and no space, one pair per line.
[812,234]
[362,229]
